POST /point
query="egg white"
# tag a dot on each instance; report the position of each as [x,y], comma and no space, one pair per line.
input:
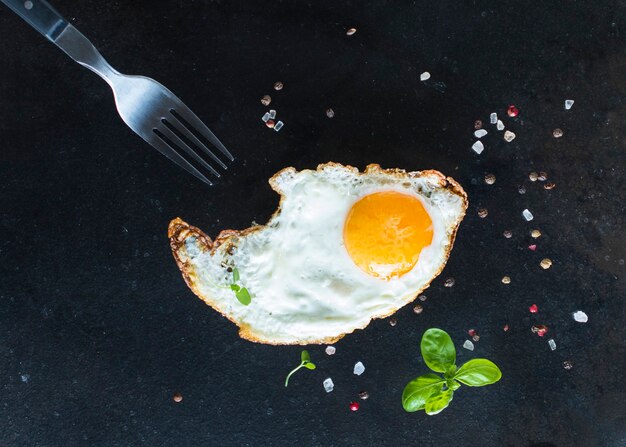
[305,288]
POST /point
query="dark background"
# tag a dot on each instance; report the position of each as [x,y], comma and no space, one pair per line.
[97,328]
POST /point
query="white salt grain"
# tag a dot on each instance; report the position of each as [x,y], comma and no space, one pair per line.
[468,345]
[569,103]
[266,117]
[527,215]
[580,316]
[552,344]
[480,133]
[425,76]
[500,125]
[478,147]
[330,350]
[279,125]
[272,114]
[493,118]
[359,368]
[509,136]
[329,385]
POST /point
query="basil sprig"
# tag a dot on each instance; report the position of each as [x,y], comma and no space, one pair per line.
[305,363]
[433,393]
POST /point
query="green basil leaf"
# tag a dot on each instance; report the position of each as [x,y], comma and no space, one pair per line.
[437,403]
[235,275]
[234,287]
[450,372]
[453,384]
[243,296]
[478,372]
[305,357]
[309,365]
[418,390]
[438,350]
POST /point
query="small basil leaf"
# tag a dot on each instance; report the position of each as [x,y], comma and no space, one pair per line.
[450,372]
[235,275]
[305,357]
[453,384]
[243,296]
[309,365]
[438,350]
[235,287]
[418,390]
[478,372]
[438,402]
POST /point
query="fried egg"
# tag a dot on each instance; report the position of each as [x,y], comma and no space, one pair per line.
[344,247]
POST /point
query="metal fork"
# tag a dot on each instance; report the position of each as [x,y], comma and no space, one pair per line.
[147,107]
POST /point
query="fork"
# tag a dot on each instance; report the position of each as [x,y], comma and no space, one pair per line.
[147,107]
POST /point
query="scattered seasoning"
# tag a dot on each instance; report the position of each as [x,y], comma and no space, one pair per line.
[351,31]
[490,179]
[533,176]
[272,114]
[279,125]
[468,345]
[535,234]
[177,397]
[506,280]
[423,297]
[540,330]
[364,395]
[532,247]
[507,234]
[393,322]
[527,215]
[354,406]
[568,364]
[328,385]
[266,100]
[569,103]
[505,328]
[533,309]
[557,133]
[418,309]
[493,118]
[549,185]
[425,76]
[476,337]
[545,263]
[480,133]
[500,125]
[482,212]
[508,136]
[552,344]
[512,111]
[478,124]
[278,85]
[265,117]
[543,176]
[330,113]
[270,123]
[521,189]
[580,316]
[471,332]
[449,282]
[359,368]
[478,147]
[330,350]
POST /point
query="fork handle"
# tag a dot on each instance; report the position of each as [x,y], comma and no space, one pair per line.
[45,19]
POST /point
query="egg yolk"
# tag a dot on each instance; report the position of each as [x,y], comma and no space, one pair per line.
[385,233]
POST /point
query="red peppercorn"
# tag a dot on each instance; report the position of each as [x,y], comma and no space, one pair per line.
[354,406]
[540,330]
[471,332]
[512,111]
[533,309]
[532,247]
[505,328]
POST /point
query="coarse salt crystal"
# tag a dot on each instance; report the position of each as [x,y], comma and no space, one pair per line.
[580,316]
[468,345]
[329,385]
[359,368]
[552,344]
[569,103]
[330,350]
[425,76]
[493,118]
[527,215]
[500,125]
[509,136]
[478,147]
[279,125]
[480,133]
[265,117]
[272,114]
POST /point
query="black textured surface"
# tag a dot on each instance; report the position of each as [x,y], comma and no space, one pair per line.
[97,328]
